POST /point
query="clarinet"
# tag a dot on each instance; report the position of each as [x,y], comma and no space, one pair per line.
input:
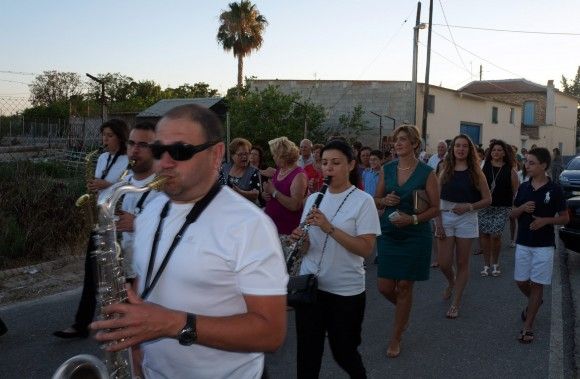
[295,257]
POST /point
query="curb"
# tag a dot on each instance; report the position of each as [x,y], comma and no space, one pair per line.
[45,266]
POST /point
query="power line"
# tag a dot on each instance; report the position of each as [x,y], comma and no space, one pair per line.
[510,31]
[13,81]
[17,72]
[451,35]
[373,60]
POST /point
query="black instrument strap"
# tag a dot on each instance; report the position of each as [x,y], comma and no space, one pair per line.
[110,164]
[189,219]
[139,206]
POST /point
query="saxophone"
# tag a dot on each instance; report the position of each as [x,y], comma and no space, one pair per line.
[294,258]
[110,289]
[89,200]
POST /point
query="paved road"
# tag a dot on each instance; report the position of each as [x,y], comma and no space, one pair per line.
[481,343]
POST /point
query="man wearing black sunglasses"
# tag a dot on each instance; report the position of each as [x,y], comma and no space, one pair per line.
[209,265]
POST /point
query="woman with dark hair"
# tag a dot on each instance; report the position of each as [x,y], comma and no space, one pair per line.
[114,161]
[503,183]
[464,190]
[110,167]
[342,234]
[538,206]
[239,174]
[405,243]
[257,157]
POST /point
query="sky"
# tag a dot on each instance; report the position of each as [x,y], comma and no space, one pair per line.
[174,41]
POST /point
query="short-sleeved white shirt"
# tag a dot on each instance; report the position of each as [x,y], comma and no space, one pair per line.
[130,201]
[342,272]
[231,250]
[114,173]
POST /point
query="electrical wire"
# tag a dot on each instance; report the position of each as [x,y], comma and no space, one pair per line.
[509,31]
[16,72]
[451,35]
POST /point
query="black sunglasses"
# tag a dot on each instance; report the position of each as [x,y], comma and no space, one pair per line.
[179,151]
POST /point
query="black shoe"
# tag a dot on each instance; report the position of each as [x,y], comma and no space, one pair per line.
[74,334]
[3,328]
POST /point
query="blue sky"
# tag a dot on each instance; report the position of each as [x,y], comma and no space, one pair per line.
[173,42]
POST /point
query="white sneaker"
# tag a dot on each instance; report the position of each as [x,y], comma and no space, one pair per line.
[496,271]
[485,271]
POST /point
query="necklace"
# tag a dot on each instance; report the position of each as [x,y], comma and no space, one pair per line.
[407,168]
[494,176]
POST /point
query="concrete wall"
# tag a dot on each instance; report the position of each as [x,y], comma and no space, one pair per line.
[452,108]
[564,128]
[338,97]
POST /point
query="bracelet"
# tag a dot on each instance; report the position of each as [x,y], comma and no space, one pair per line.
[415,220]
[274,193]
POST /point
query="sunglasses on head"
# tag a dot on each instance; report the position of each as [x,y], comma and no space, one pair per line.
[179,151]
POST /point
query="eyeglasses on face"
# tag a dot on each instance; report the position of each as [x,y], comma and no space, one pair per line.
[141,145]
[179,151]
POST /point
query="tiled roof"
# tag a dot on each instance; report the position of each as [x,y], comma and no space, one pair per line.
[162,106]
[503,86]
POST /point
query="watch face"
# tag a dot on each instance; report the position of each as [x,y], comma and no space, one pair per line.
[187,336]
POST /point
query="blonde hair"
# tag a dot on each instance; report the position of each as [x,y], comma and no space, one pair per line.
[413,134]
[283,148]
[237,143]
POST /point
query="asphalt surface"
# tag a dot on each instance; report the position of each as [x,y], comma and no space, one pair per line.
[481,343]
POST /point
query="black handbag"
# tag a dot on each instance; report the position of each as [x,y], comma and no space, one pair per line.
[302,290]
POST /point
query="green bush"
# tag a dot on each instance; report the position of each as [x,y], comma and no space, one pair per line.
[41,220]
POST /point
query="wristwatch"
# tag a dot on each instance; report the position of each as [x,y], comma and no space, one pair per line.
[188,334]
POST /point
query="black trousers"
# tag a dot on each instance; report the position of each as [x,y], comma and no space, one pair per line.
[341,318]
[88,302]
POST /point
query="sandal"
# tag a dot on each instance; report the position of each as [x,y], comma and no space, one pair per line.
[394,353]
[526,336]
[485,271]
[453,312]
[447,293]
[478,252]
[496,271]
[434,265]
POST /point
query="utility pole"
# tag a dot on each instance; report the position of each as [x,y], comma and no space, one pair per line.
[102,83]
[480,72]
[426,94]
[415,52]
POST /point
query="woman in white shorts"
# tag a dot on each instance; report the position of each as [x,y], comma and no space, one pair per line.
[464,190]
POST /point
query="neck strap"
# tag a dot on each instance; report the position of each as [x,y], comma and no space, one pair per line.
[195,212]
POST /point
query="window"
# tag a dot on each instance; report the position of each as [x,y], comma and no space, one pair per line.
[494,115]
[431,103]
[512,115]
[529,113]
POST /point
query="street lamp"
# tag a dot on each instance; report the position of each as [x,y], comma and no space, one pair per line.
[380,116]
[102,83]
[305,117]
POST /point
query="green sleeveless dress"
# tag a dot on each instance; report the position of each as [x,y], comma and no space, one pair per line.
[404,253]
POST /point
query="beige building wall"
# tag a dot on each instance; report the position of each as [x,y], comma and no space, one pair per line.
[562,133]
[452,108]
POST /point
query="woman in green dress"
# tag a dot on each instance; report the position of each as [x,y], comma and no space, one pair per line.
[405,244]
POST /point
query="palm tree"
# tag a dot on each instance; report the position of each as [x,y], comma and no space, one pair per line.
[241,31]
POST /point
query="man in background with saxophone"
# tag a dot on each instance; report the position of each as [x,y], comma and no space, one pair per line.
[142,173]
[209,266]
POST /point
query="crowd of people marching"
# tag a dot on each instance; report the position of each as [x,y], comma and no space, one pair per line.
[399,207]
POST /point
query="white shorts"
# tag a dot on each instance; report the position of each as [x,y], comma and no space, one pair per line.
[534,263]
[462,226]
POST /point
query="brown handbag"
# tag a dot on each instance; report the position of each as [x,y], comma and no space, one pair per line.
[420,201]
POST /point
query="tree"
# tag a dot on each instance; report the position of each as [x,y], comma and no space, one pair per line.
[117,87]
[573,89]
[187,90]
[54,86]
[241,30]
[260,116]
[352,125]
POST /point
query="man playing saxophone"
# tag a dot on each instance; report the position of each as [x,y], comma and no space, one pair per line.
[209,266]
[141,174]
